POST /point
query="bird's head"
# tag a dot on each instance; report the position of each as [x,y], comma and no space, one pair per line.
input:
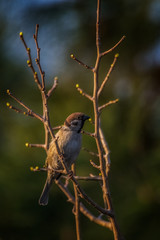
[75,121]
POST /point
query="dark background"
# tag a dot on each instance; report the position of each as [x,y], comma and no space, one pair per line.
[132,126]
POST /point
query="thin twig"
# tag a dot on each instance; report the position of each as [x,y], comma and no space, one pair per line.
[45,169]
[29,61]
[85,178]
[81,63]
[17,110]
[90,152]
[35,36]
[107,104]
[83,93]
[111,49]
[56,128]
[53,87]
[76,207]
[38,169]
[88,133]
[35,145]
[30,112]
[91,178]
[89,200]
[106,150]
[94,165]
[98,27]
[108,74]
[83,209]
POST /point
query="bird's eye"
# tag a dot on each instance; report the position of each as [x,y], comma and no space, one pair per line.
[75,122]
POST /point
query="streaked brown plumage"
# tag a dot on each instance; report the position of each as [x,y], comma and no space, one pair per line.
[69,142]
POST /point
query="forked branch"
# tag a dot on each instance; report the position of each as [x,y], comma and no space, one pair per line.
[102,146]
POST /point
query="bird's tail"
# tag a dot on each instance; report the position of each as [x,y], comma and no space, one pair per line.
[43,200]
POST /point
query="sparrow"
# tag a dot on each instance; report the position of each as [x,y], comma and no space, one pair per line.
[69,140]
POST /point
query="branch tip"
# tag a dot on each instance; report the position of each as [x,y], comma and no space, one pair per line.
[72,56]
[27,144]
[108,103]
[21,34]
[83,93]
[8,104]
[116,55]
[8,91]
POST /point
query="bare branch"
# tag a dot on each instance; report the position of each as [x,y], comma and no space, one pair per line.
[90,178]
[35,36]
[83,209]
[29,61]
[35,145]
[29,111]
[108,74]
[86,178]
[90,152]
[111,49]
[107,104]
[88,133]
[98,27]
[89,200]
[105,185]
[107,151]
[38,169]
[76,206]
[94,165]
[81,63]
[56,128]
[53,87]
[83,93]
[17,110]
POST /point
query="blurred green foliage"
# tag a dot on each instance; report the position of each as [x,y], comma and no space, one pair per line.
[131,126]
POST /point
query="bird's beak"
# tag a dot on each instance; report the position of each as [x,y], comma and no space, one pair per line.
[85,117]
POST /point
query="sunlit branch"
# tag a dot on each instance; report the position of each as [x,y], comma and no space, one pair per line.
[83,209]
[53,87]
[29,111]
[107,104]
[81,63]
[83,93]
[108,74]
[111,49]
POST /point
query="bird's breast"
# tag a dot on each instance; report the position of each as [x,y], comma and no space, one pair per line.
[72,141]
[71,146]
[69,143]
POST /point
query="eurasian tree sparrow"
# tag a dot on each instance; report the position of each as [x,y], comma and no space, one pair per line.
[69,142]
